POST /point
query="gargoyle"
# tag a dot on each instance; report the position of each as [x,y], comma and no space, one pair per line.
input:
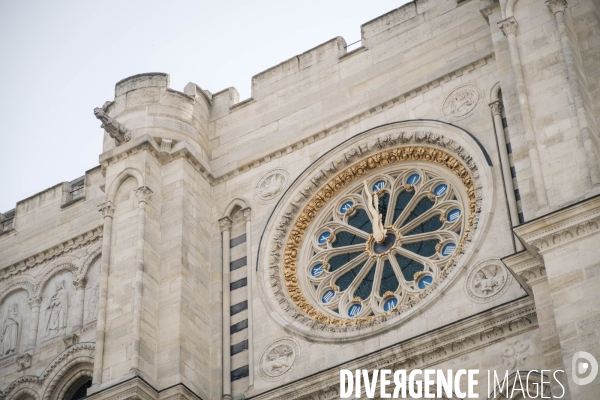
[115,129]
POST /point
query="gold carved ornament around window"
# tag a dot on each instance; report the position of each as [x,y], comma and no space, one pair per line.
[412,153]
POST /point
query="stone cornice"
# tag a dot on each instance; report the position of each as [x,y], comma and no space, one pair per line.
[424,351]
[146,142]
[478,61]
[51,253]
[526,268]
[561,227]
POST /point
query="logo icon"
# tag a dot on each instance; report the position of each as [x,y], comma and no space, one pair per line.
[584,363]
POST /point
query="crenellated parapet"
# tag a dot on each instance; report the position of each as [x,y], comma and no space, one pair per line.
[145,105]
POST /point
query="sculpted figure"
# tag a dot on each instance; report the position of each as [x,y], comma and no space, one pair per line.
[279,361]
[379,231]
[487,279]
[272,185]
[462,102]
[57,311]
[115,129]
[94,301]
[9,335]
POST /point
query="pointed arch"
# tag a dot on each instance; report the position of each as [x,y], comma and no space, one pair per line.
[122,177]
[235,203]
[66,263]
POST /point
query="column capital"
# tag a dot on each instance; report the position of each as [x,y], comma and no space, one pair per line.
[247,213]
[556,5]
[34,301]
[107,209]
[496,107]
[143,194]
[225,224]
[508,25]
[80,283]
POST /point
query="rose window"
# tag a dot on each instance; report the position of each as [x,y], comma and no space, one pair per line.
[383,240]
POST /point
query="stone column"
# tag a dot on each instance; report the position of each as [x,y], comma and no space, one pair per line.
[108,210]
[496,108]
[225,226]
[531,273]
[143,194]
[247,214]
[34,303]
[509,29]
[567,242]
[557,7]
[78,306]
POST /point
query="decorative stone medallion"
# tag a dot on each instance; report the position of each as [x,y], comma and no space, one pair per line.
[462,102]
[271,185]
[487,281]
[278,359]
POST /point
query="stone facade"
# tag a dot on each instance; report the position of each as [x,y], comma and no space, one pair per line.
[174,269]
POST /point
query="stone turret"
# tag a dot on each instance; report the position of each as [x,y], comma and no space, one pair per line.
[145,104]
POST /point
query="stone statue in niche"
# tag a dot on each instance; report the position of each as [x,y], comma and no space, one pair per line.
[9,336]
[57,311]
[94,301]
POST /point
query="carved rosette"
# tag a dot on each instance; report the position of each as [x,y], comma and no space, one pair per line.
[278,359]
[487,281]
[271,185]
[462,102]
[309,194]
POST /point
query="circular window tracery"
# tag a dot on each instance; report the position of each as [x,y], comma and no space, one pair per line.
[349,274]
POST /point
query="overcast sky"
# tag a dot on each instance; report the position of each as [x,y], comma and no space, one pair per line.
[60,59]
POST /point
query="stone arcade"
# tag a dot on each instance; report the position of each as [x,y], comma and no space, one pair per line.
[429,199]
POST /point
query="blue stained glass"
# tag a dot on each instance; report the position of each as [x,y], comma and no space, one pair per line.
[448,249]
[389,281]
[401,202]
[425,281]
[317,270]
[390,303]
[422,206]
[328,296]
[346,206]
[323,237]
[414,178]
[430,225]
[409,267]
[378,185]
[345,280]
[440,189]
[364,289]
[344,238]
[453,215]
[360,220]
[425,248]
[338,261]
[354,310]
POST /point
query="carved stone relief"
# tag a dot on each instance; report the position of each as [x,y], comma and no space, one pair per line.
[461,102]
[54,315]
[11,327]
[271,185]
[14,314]
[278,359]
[91,292]
[487,281]
[515,355]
